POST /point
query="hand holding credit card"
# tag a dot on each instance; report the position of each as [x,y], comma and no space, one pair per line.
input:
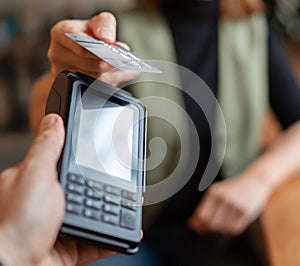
[115,55]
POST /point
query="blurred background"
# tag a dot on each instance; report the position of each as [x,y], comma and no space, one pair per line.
[24,40]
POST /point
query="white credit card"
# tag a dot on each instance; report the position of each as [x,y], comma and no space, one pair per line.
[115,55]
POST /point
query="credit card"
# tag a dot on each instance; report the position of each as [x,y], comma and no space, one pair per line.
[115,55]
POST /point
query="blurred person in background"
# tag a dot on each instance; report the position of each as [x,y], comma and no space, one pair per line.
[232,47]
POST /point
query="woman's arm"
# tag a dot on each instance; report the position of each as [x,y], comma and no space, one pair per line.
[37,105]
[231,205]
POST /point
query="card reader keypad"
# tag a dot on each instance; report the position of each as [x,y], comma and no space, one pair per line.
[105,203]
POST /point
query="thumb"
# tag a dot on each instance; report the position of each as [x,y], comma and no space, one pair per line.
[103,27]
[47,146]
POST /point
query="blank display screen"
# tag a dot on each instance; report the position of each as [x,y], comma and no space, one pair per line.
[105,139]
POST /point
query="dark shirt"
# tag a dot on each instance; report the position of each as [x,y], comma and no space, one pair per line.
[194,25]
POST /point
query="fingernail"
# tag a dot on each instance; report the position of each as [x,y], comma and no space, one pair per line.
[106,32]
[47,122]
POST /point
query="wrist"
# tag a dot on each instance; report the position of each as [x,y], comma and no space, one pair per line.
[10,251]
[263,180]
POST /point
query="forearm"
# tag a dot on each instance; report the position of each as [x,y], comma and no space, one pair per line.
[280,161]
[38,98]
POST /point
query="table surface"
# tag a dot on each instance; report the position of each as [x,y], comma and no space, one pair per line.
[281,225]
